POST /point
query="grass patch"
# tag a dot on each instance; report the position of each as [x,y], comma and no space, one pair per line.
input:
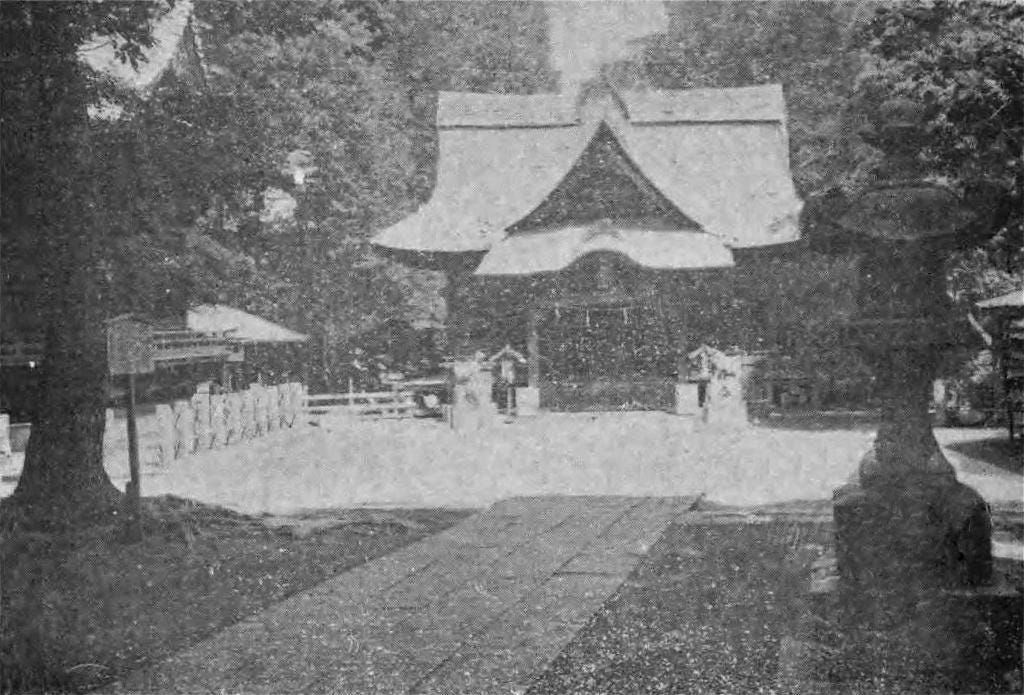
[715,608]
[80,610]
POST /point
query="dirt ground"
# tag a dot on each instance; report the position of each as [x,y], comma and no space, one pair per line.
[77,611]
[418,463]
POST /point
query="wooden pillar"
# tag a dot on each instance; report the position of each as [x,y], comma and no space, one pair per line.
[133,490]
[533,348]
[451,278]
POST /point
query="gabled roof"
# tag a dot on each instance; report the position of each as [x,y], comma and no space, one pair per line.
[1014,299]
[487,179]
[720,156]
[240,325]
[604,184]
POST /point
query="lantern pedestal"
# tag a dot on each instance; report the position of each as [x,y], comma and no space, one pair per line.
[906,523]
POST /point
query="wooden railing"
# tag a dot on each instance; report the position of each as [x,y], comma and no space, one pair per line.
[404,399]
[397,403]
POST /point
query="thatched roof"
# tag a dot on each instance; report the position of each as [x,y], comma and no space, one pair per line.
[721,157]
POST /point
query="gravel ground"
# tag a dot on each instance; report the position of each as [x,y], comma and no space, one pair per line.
[718,606]
[703,614]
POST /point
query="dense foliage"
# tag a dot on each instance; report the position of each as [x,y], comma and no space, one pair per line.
[357,111]
[965,61]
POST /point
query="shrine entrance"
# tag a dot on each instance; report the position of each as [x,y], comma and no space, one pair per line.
[604,357]
[601,341]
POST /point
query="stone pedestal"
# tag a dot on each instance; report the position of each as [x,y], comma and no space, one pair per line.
[527,401]
[5,435]
[923,535]
[686,399]
[906,519]
[726,401]
[472,407]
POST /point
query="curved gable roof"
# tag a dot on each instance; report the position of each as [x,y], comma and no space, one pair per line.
[720,156]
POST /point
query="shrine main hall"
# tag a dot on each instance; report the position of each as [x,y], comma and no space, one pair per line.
[577,228]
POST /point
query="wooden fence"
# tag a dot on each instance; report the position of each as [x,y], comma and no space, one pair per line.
[209,421]
[396,403]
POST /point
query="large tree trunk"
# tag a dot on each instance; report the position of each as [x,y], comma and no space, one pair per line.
[63,480]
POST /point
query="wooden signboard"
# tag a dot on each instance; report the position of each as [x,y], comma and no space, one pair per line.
[130,351]
[129,346]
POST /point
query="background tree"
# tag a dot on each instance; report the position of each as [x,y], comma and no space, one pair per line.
[364,120]
[965,61]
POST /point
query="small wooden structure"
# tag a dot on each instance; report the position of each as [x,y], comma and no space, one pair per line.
[1006,313]
[205,343]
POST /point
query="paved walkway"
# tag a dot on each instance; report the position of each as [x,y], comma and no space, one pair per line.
[476,609]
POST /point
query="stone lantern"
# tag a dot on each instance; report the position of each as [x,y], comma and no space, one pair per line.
[913,543]
[906,520]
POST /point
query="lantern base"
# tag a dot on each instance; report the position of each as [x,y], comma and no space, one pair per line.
[928,531]
[909,600]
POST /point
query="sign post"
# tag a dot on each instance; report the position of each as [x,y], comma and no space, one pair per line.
[130,352]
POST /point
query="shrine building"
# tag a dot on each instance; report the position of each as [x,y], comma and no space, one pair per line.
[592,215]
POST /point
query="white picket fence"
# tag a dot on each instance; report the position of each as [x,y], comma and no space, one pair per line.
[209,421]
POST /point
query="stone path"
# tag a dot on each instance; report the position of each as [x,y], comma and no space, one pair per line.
[476,609]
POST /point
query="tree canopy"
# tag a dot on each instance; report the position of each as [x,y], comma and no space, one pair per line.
[965,61]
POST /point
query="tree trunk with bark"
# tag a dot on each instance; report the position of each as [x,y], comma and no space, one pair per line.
[63,481]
